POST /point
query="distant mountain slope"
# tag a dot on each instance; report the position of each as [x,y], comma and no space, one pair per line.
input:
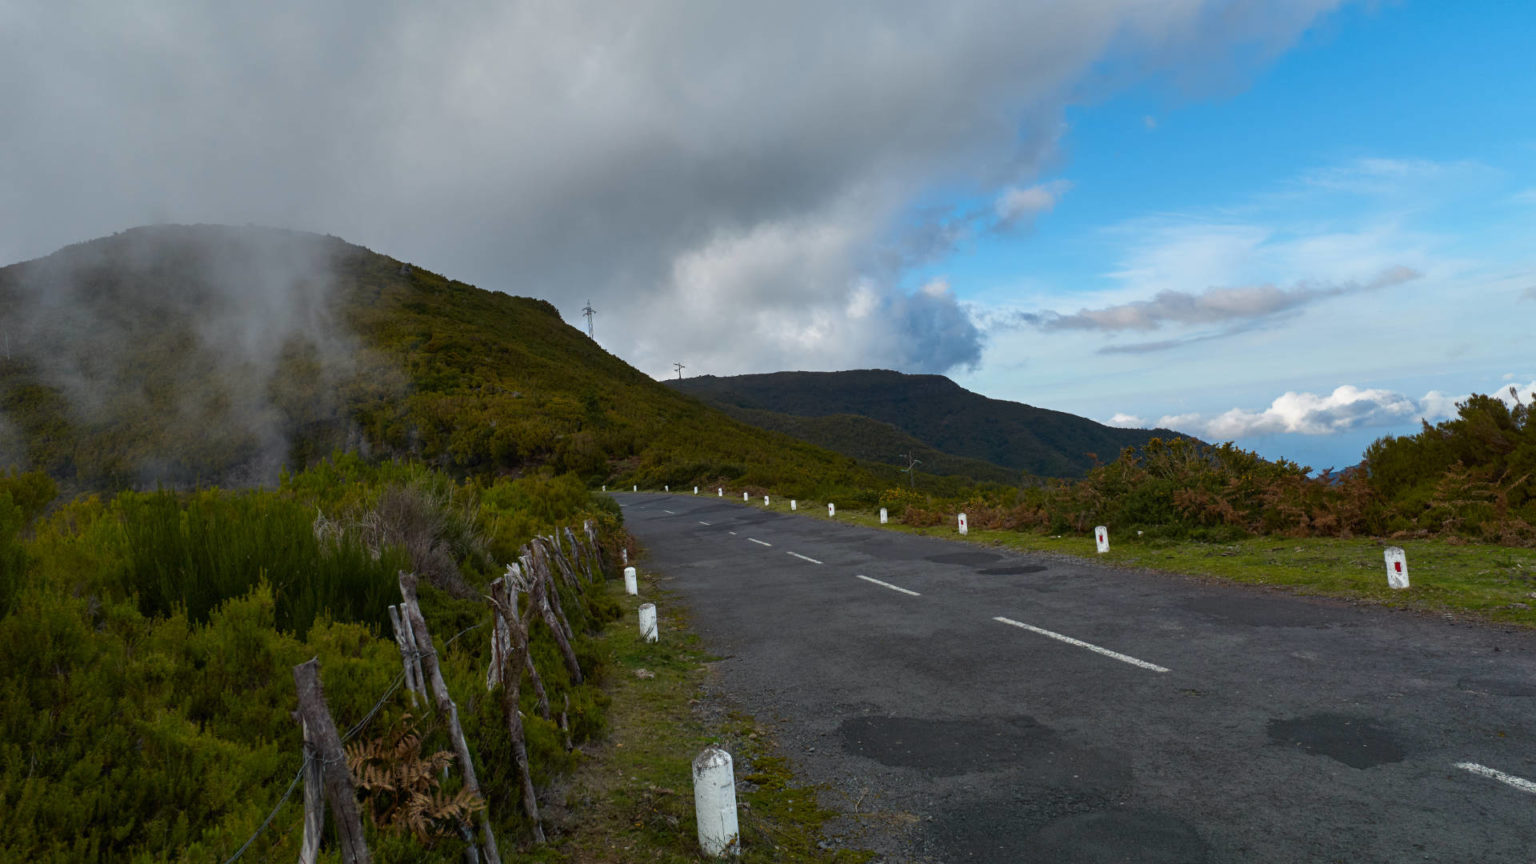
[871,440]
[216,355]
[930,408]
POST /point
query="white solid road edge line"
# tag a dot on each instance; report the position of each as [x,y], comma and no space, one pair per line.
[1081,644]
[805,558]
[759,542]
[1507,779]
[887,585]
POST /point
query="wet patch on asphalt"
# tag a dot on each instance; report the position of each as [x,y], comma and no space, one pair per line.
[1262,611]
[884,550]
[965,559]
[946,748]
[1011,570]
[1359,742]
[1062,826]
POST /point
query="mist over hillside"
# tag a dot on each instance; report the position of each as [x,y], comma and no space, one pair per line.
[197,355]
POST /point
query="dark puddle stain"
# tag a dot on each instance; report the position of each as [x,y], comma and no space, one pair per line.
[1012,570]
[1117,835]
[1499,686]
[1274,611]
[1358,742]
[946,748]
[965,559]
[1061,826]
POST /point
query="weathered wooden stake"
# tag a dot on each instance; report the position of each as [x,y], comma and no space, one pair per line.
[407,654]
[334,776]
[503,600]
[314,800]
[445,704]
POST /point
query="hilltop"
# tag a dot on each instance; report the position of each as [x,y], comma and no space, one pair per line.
[877,414]
[187,355]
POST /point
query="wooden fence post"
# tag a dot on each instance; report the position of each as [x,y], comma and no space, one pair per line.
[314,800]
[434,675]
[335,777]
[503,600]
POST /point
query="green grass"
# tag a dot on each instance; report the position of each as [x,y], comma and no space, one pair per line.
[634,798]
[1487,582]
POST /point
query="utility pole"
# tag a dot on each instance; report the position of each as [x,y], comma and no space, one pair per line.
[911,474]
[679,367]
[588,311]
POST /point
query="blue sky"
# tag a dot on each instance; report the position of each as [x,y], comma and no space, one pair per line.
[1396,136]
[1297,224]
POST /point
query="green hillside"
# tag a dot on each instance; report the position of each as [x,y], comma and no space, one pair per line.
[931,409]
[189,355]
[872,441]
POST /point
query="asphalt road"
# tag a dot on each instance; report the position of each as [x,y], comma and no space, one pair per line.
[928,684]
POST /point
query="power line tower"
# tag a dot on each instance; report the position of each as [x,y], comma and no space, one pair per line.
[910,469]
[678,367]
[588,311]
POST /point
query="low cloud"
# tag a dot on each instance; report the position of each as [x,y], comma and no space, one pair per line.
[1346,408]
[1126,421]
[1018,208]
[1214,305]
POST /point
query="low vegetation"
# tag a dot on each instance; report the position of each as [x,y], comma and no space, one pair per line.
[145,702]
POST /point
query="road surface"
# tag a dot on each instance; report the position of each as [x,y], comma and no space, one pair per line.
[969,704]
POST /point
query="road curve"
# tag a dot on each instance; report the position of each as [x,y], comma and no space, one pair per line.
[968,704]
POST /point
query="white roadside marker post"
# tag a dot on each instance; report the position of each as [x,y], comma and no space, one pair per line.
[720,491]
[648,622]
[882,516]
[964,529]
[714,803]
[635,488]
[831,510]
[791,503]
[624,555]
[744,497]
[1397,567]
[630,585]
[666,488]
[765,501]
[695,490]
[605,487]
[1101,538]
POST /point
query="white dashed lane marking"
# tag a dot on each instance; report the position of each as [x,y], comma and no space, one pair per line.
[887,585]
[669,512]
[732,533]
[804,558]
[702,522]
[1520,783]
[1123,658]
[759,542]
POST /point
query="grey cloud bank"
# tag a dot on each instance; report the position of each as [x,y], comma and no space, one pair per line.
[728,184]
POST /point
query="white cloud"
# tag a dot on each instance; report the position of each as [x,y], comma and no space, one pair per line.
[1346,408]
[654,156]
[1126,421]
[1017,207]
[1214,305]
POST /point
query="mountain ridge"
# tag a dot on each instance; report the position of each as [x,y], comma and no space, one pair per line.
[931,409]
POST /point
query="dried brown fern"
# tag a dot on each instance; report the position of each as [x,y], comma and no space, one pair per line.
[401,786]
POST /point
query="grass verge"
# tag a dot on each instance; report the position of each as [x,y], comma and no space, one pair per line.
[632,800]
[1496,584]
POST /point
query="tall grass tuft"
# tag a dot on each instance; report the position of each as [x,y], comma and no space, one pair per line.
[200,550]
